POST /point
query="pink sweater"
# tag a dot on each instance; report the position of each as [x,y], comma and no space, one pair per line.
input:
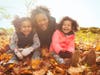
[61,42]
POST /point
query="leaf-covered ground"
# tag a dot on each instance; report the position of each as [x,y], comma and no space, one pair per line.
[86,39]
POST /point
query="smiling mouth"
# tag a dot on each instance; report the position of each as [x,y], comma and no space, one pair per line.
[66,29]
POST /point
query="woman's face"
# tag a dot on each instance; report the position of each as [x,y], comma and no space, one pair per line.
[67,26]
[42,21]
[26,27]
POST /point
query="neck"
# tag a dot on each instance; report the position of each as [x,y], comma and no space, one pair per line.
[69,33]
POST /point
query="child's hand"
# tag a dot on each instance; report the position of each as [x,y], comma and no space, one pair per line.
[20,49]
[19,55]
[26,51]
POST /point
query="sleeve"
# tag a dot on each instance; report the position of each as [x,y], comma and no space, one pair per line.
[55,42]
[71,44]
[36,43]
[13,42]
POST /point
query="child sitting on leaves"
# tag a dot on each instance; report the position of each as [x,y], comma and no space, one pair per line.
[25,40]
[63,45]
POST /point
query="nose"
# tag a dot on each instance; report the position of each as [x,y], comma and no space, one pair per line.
[66,26]
[42,22]
[26,28]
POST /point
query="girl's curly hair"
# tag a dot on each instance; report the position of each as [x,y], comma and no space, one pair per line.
[74,24]
[17,22]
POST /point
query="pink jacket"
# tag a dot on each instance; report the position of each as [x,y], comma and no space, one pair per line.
[61,42]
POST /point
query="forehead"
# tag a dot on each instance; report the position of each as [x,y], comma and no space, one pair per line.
[67,22]
[26,22]
[40,16]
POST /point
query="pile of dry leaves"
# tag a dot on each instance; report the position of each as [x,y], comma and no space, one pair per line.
[45,66]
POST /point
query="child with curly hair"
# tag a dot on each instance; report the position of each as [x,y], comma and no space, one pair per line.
[63,45]
[25,40]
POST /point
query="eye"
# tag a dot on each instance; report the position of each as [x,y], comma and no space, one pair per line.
[64,25]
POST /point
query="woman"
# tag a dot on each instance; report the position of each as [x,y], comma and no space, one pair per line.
[45,25]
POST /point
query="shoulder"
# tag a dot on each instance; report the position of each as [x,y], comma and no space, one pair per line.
[57,32]
[52,21]
[14,34]
[35,33]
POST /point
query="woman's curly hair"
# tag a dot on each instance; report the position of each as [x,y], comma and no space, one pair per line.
[39,10]
[74,24]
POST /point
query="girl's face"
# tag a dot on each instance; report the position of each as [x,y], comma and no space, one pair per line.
[26,27]
[67,26]
[42,21]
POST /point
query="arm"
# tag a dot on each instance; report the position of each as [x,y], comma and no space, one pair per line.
[13,42]
[56,43]
[36,42]
[71,44]
[14,47]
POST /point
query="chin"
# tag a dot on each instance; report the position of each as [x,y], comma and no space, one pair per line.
[66,32]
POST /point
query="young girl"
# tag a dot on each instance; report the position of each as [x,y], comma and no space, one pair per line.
[25,40]
[62,45]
